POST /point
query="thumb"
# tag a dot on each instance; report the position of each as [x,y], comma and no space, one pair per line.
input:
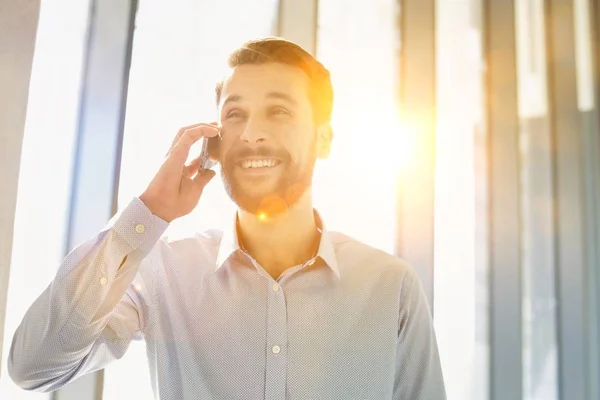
[202,178]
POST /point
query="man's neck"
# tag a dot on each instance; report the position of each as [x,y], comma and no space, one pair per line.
[283,241]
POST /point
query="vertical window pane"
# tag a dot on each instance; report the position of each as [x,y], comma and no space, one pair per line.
[358,42]
[583,52]
[46,165]
[460,273]
[538,280]
[179,53]
[584,11]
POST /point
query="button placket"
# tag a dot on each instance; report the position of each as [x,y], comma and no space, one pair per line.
[276,342]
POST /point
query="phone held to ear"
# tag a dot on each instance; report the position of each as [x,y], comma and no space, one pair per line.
[210,146]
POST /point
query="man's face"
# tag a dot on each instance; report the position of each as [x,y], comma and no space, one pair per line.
[269,140]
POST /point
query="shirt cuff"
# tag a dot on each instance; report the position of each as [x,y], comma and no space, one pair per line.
[138,227]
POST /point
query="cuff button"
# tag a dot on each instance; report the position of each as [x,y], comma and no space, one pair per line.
[139,228]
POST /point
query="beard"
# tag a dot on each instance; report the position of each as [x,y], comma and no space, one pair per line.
[287,190]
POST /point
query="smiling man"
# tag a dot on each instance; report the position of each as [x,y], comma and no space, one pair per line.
[277,306]
[275,123]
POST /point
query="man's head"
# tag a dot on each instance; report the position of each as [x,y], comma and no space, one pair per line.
[274,108]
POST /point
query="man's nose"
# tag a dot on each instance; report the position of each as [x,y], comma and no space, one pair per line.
[253,132]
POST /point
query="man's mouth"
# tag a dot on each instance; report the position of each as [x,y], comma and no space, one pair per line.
[259,164]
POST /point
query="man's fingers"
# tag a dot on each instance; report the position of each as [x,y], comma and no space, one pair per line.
[191,135]
[202,179]
[190,169]
[179,153]
[183,130]
[178,136]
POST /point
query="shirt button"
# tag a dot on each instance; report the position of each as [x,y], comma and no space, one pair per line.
[275,287]
[139,228]
[103,281]
[276,349]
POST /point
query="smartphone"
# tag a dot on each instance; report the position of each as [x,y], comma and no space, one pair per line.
[210,147]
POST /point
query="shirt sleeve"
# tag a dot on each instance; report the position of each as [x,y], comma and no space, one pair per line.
[418,368]
[97,303]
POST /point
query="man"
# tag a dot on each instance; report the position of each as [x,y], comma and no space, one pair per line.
[276,307]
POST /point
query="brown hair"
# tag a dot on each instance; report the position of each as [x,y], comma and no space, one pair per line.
[261,51]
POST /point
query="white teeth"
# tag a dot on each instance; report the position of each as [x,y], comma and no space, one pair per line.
[258,163]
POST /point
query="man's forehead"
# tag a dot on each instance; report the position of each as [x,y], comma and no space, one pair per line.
[262,79]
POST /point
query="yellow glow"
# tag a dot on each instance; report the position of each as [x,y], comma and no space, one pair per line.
[262,217]
[384,139]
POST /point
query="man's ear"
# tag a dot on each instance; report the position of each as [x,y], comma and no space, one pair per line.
[324,138]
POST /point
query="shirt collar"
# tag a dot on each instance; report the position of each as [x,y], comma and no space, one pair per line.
[230,244]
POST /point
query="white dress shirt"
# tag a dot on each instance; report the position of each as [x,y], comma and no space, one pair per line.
[351,323]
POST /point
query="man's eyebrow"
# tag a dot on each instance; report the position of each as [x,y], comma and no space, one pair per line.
[232,98]
[282,96]
[271,95]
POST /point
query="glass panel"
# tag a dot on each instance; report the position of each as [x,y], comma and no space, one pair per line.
[587,104]
[460,273]
[583,52]
[359,178]
[538,284]
[46,165]
[179,53]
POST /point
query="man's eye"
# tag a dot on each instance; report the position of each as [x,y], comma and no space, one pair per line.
[279,111]
[234,114]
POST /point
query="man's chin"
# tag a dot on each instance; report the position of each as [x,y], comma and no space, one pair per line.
[266,194]
[256,189]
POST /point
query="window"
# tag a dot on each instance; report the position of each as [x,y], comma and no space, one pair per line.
[540,363]
[460,274]
[355,187]
[46,166]
[179,53]
[587,92]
